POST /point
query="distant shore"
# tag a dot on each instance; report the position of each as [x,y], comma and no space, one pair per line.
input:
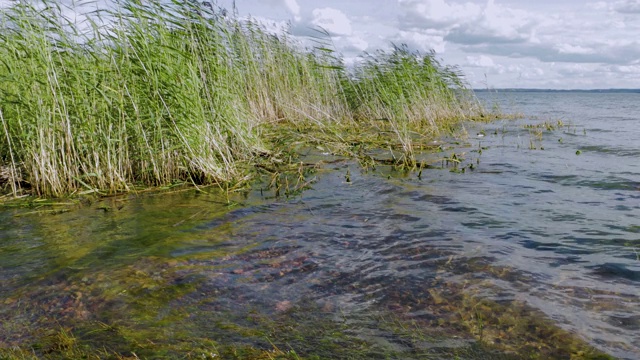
[598,91]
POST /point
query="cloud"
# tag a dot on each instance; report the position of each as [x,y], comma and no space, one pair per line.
[422,41]
[575,70]
[505,24]
[436,14]
[356,44]
[632,69]
[574,49]
[468,23]
[585,35]
[496,24]
[470,35]
[480,61]
[608,53]
[332,20]
[329,20]
[627,7]
[600,5]
[294,8]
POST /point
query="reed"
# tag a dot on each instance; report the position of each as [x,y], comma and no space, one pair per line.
[153,92]
[412,93]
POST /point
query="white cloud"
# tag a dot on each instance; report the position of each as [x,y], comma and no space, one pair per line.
[576,69]
[635,69]
[436,13]
[600,5]
[467,23]
[357,44]
[480,61]
[332,20]
[421,41]
[574,49]
[350,46]
[294,8]
[496,24]
[506,24]
[624,70]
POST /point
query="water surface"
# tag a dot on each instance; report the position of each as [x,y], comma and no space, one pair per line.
[541,233]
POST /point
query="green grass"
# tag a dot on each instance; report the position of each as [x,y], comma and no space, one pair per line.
[154,92]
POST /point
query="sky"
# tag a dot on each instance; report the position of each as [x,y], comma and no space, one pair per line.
[543,44]
[549,44]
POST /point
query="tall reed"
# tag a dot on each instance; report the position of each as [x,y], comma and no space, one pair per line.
[150,92]
[141,101]
[412,93]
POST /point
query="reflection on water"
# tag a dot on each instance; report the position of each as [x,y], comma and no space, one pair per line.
[479,264]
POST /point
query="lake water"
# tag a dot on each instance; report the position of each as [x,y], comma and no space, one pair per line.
[536,243]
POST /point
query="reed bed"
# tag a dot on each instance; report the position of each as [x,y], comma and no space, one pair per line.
[154,92]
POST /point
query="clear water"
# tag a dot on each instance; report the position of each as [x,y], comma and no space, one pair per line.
[557,230]
[569,222]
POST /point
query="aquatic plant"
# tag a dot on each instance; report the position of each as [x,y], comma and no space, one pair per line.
[412,94]
[152,92]
[106,108]
[408,87]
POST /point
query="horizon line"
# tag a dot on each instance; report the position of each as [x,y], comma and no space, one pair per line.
[634,90]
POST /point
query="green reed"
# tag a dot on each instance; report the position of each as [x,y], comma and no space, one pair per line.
[152,92]
[412,92]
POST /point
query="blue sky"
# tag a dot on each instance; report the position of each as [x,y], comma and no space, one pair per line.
[496,43]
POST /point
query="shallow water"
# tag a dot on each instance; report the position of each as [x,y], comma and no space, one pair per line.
[461,257]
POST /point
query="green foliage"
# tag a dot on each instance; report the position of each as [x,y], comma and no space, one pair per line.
[153,92]
[405,86]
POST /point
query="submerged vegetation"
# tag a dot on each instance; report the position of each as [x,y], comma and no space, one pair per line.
[153,92]
[230,295]
[154,308]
